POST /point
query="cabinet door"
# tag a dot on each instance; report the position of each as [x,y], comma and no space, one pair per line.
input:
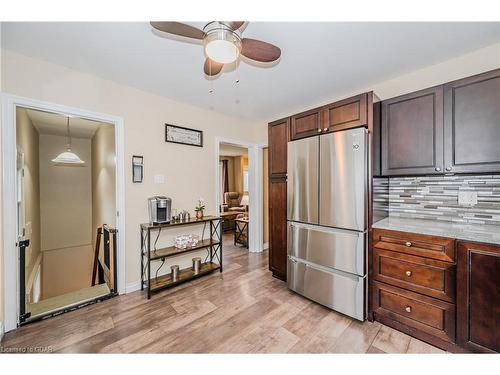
[472,124]
[412,133]
[277,225]
[306,124]
[478,297]
[278,139]
[346,114]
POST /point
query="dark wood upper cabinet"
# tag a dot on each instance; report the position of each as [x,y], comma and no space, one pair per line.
[472,124]
[306,124]
[478,297]
[345,114]
[377,139]
[412,133]
[278,141]
[277,225]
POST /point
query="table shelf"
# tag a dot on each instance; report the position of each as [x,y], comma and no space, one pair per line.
[186,274]
[212,262]
[171,251]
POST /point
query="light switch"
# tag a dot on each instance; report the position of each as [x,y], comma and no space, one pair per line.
[159,179]
[467,198]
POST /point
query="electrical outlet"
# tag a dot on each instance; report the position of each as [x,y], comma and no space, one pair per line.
[467,198]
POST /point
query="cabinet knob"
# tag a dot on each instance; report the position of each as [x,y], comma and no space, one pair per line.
[408,309]
[408,244]
[325,129]
[408,273]
[319,130]
[438,169]
[448,169]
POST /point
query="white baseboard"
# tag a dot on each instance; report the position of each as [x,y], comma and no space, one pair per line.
[1,331]
[133,287]
[265,246]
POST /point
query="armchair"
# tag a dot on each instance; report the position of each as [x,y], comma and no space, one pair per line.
[232,202]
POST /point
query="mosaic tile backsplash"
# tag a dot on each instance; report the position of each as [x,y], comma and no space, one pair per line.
[436,198]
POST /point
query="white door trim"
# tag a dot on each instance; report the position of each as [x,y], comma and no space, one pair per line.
[10,271]
[255,189]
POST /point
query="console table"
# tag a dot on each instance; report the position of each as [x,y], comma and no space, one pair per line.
[150,253]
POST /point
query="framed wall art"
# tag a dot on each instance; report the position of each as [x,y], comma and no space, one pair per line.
[185,136]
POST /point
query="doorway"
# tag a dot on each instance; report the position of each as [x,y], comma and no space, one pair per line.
[66,198]
[239,192]
[68,252]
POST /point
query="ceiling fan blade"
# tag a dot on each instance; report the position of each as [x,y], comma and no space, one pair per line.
[178,28]
[259,51]
[211,67]
[233,25]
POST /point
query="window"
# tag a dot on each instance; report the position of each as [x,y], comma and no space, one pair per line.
[245,181]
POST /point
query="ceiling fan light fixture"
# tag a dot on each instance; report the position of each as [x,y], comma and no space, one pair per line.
[222,46]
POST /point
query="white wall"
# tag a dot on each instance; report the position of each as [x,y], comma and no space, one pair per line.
[189,171]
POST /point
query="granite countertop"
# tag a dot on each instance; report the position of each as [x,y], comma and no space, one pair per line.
[469,232]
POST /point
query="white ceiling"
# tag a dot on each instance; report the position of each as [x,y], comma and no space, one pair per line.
[319,60]
[55,124]
[230,150]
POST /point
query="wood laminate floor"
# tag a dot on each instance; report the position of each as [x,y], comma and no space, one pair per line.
[242,310]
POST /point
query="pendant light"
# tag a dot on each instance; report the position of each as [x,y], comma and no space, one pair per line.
[68,158]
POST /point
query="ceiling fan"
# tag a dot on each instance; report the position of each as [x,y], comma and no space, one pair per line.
[223,43]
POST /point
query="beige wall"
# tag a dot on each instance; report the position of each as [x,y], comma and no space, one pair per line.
[189,171]
[103,178]
[265,181]
[479,61]
[66,270]
[66,217]
[27,139]
[65,195]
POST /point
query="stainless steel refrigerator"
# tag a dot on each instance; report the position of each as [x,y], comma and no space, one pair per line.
[327,220]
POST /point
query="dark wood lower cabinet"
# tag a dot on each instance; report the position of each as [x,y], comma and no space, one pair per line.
[478,297]
[439,290]
[277,227]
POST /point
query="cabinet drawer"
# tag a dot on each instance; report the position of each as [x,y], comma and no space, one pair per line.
[427,276]
[426,314]
[438,248]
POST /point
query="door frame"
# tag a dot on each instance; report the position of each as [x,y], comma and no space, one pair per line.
[9,184]
[255,189]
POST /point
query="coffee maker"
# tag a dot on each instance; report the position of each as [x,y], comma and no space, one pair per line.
[160,209]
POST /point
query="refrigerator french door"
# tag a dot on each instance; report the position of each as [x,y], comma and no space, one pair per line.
[326,211]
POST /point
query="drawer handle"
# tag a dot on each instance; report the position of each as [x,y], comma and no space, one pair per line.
[408,273]
[408,309]
[408,244]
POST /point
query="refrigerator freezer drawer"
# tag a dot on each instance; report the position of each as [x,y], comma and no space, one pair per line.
[302,180]
[342,179]
[336,248]
[339,291]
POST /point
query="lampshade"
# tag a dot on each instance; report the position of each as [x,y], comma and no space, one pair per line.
[244,200]
[68,158]
[222,46]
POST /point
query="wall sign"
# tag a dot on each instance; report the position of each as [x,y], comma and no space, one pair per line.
[185,136]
